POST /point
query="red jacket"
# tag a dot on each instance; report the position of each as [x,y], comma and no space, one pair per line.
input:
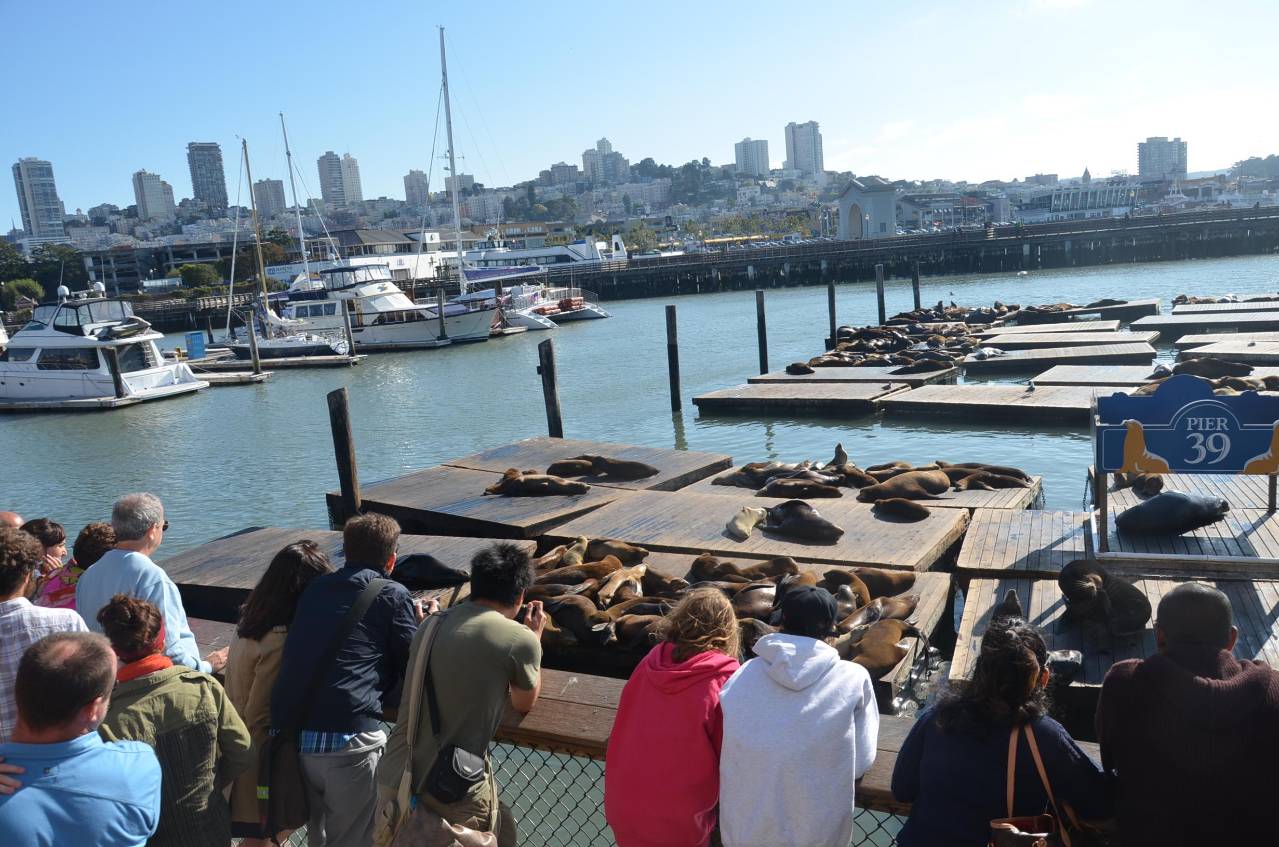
[661,775]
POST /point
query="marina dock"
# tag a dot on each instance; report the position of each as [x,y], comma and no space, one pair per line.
[1172,327]
[1243,544]
[1049,340]
[1243,307]
[1248,352]
[1002,542]
[1241,492]
[1009,403]
[1129,311]
[1204,339]
[1002,498]
[850,375]
[289,362]
[1130,376]
[219,379]
[825,398]
[1047,357]
[1065,327]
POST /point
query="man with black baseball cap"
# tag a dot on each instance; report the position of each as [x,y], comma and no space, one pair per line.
[799,729]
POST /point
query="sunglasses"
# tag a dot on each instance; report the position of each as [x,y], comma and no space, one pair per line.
[164,527]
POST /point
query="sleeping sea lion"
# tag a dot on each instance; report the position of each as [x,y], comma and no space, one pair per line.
[737,479]
[1171,513]
[801,488]
[750,630]
[638,606]
[885,583]
[550,558]
[851,476]
[799,369]
[889,466]
[797,519]
[656,584]
[550,591]
[623,469]
[579,616]
[744,522]
[865,616]
[916,485]
[1142,484]
[900,509]
[515,483]
[877,647]
[755,601]
[1002,470]
[987,481]
[1091,593]
[836,578]
[774,568]
[569,467]
[922,366]
[619,578]
[627,554]
[575,553]
[1210,367]
[575,574]
[636,632]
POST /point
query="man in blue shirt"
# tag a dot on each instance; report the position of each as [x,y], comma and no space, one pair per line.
[77,789]
[139,524]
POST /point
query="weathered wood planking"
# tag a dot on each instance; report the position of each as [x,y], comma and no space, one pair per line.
[676,468]
[1250,352]
[1127,375]
[878,376]
[216,578]
[280,364]
[681,522]
[1123,312]
[1243,544]
[451,501]
[1003,498]
[822,398]
[1175,326]
[1037,341]
[1203,339]
[1052,403]
[1030,543]
[1226,308]
[1030,360]
[1241,492]
[1063,327]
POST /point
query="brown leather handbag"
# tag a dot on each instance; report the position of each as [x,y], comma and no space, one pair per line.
[1028,830]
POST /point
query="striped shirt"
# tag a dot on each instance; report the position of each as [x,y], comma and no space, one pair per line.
[21,625]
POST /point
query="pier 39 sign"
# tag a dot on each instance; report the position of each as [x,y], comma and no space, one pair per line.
[1183,428]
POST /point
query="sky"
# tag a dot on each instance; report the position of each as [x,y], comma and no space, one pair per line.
[908,90]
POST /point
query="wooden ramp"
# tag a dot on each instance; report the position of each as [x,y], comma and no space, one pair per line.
[1028,543]
[1227,308]
[1057,328]
[1242,545]
[1050,404]
[451,501]
[1250,352]
[878,376]
[676,468]
[1046,357]
[680,522]
[822,398]
[216,578]
[1123,312]
[1049,340]
[1003,498]
[1172,327]
[1203,339]
[1241,492]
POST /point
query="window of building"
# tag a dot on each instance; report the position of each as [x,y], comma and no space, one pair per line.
[68,359]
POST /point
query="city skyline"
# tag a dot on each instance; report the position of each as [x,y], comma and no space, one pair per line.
[1006,113]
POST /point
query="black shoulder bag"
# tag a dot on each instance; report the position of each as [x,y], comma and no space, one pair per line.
[282,800]
[454,770]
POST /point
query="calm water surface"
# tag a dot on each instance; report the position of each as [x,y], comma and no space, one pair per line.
[262,455]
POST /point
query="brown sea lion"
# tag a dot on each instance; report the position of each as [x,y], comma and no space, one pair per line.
[837,578]
[987,481]
[799,369]
[886,466]
[579,615]
[866,615]
[1002,470]
[900,509]
[569,467]
[749,631]
[655,584]
[876,647]
[802,488]
[755,601]
[515,483]
[638,606]
[620,469]
[617,579]
[889,473]
[922,366]
[797,519]
[550,558]
[1007,609]
[574,574]
[851,476]
[552,590]
[723,586]
[1143,484]
[709,568]
[1091,593]
[840,458]
[635,632]
[737,479]
[885,583]
[1210,367]
[627,554]
[916,485]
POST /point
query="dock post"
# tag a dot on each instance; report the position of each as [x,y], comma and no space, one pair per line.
[208,327]
[914,283]
[113,365]
[253,345]
[830,310]
[550,388]
[344,452]
[439,312]
[346,328]
[879,294]
[672,356]
[761,330]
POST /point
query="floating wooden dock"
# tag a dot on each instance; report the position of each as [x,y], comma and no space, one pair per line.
[1031,360]
[1130,376]
[222,364]
[1206,338]
[1049,340]
[1242,307]
[1241,492]
[1066,327]
[822,398]
[1242,545]
[1172,327]
[1027,543]
[451,501]
[1129,311]
[1003,498]
[1050,404]
[681,522]
[879,376]
[216,578]
[1249,352]
[676,468]
[233,378]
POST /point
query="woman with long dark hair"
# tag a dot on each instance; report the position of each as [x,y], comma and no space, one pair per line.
[253,664]
[953,766]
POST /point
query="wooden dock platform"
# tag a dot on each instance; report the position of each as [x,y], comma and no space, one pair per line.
[1203,339]
[1249,352]
[1049,340]
[822,398]
[1242,307]
[223,364]
[216,578]
[451,501]
[681,522]
[1172,327]
[878,376]
[1050,404]
[1046,357]
[1242,545]
[1002,542]
[1003,498]
[1065,327]
[1130,376]
[217,380]
[1129,311]
[676,468]
[1241,491]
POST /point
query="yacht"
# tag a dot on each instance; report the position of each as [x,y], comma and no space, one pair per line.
[527,300]
[86,353]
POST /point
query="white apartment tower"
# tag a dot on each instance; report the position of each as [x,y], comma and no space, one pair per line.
[42,211]
[1159,159]
[208,179]
[351,179]
[804,148]
[751,157]
[154,197]
[339,179]
[417,189]
[268,194]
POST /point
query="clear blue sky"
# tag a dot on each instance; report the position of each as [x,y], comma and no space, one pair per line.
[912,90]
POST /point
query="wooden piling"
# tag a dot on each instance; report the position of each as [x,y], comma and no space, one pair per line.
[253,345]
[879,294]
[113,365]
[346,328]
[672,357]
[344,453]
[830,309]
[208,328]
[914,283]
[439,311]
[550,388]
[761,330]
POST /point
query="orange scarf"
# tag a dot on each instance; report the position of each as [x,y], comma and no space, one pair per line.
[142,667]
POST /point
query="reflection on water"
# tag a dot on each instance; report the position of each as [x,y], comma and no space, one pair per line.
[262,455]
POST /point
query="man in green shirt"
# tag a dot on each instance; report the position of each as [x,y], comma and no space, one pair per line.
[481,660]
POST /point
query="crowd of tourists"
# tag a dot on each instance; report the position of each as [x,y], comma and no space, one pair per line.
[345,706]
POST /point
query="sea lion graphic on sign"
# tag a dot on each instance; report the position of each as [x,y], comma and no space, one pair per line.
[1267,462]
[1137,459]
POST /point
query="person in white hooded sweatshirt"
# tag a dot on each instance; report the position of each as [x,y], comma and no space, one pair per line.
[800,726]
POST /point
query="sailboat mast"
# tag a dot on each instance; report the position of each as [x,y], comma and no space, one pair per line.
[257,231]
[448,123]
[288,154]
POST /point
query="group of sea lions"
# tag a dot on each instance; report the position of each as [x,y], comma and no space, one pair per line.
[913,348]
[599,594]
[1226,378]
[795,520]
[954,313]
[532,483]
[1183,299]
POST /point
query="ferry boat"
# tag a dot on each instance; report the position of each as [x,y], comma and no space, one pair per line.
[89,352]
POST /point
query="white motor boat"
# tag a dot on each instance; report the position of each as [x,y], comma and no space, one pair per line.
[285,338]
[87,353]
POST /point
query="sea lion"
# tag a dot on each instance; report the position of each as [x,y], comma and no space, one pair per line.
[638,606]
[575,554]
[638,631]
[1001,470]
[755,601]
[900,509]
[744,522]
[807,475]
[574,574]
[737,479]
[1210,367]
[899,608]
[550,558]
[618,469]
[1007,609]
[785,584]
[656,584]
[799,369]
[1064,665]
[774,568]
[885,583]
[889,473]
[922,366]
[801,488]
[579,616]
[916,485]
[749,631]
[887,466]
[836,578]
[1091,593]
[840,458]
[1105,301]
[865,616]
[550,591]
[515,483]
[569,467]
[1142,484]
[877,648]
[1138,459]
[1171,513]
[797,519]
[627,554]
[987,481]
[851,476]
[619,578]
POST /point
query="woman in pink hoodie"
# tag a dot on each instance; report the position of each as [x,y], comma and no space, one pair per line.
[661,776]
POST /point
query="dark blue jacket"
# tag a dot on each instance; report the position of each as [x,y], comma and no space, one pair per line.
[956,783]
[369,664]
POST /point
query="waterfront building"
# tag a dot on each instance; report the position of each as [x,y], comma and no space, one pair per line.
[339,179]
[1042,179]
[1114,197]
[417,189]
[268,194]
[208,179]
[804,149]
[154,197]
[604,166]
[562,173]
[464,182]
[351,179]
[751,157]
[1161,160]
[868,209]
[42,211]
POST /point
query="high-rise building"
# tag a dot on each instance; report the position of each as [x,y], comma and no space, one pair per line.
[417,189]
[42,211]
[268,194]
[465,182]
[562,173]
[1159,159]
[339,179]
[751,157]
[603,166]
[804,148]
[208,180]
[154,197]
[351,179]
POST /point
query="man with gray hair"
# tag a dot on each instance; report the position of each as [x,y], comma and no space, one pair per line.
[139,524]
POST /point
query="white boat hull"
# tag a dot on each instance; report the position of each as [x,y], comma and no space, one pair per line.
[589,312]
[528,320]
[86,387]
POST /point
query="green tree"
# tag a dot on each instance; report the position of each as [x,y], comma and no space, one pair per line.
[55,264]
[12,289]
[280,237]
[627,204]
[13,265]
[530,194]
[200,276]
[640,238]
